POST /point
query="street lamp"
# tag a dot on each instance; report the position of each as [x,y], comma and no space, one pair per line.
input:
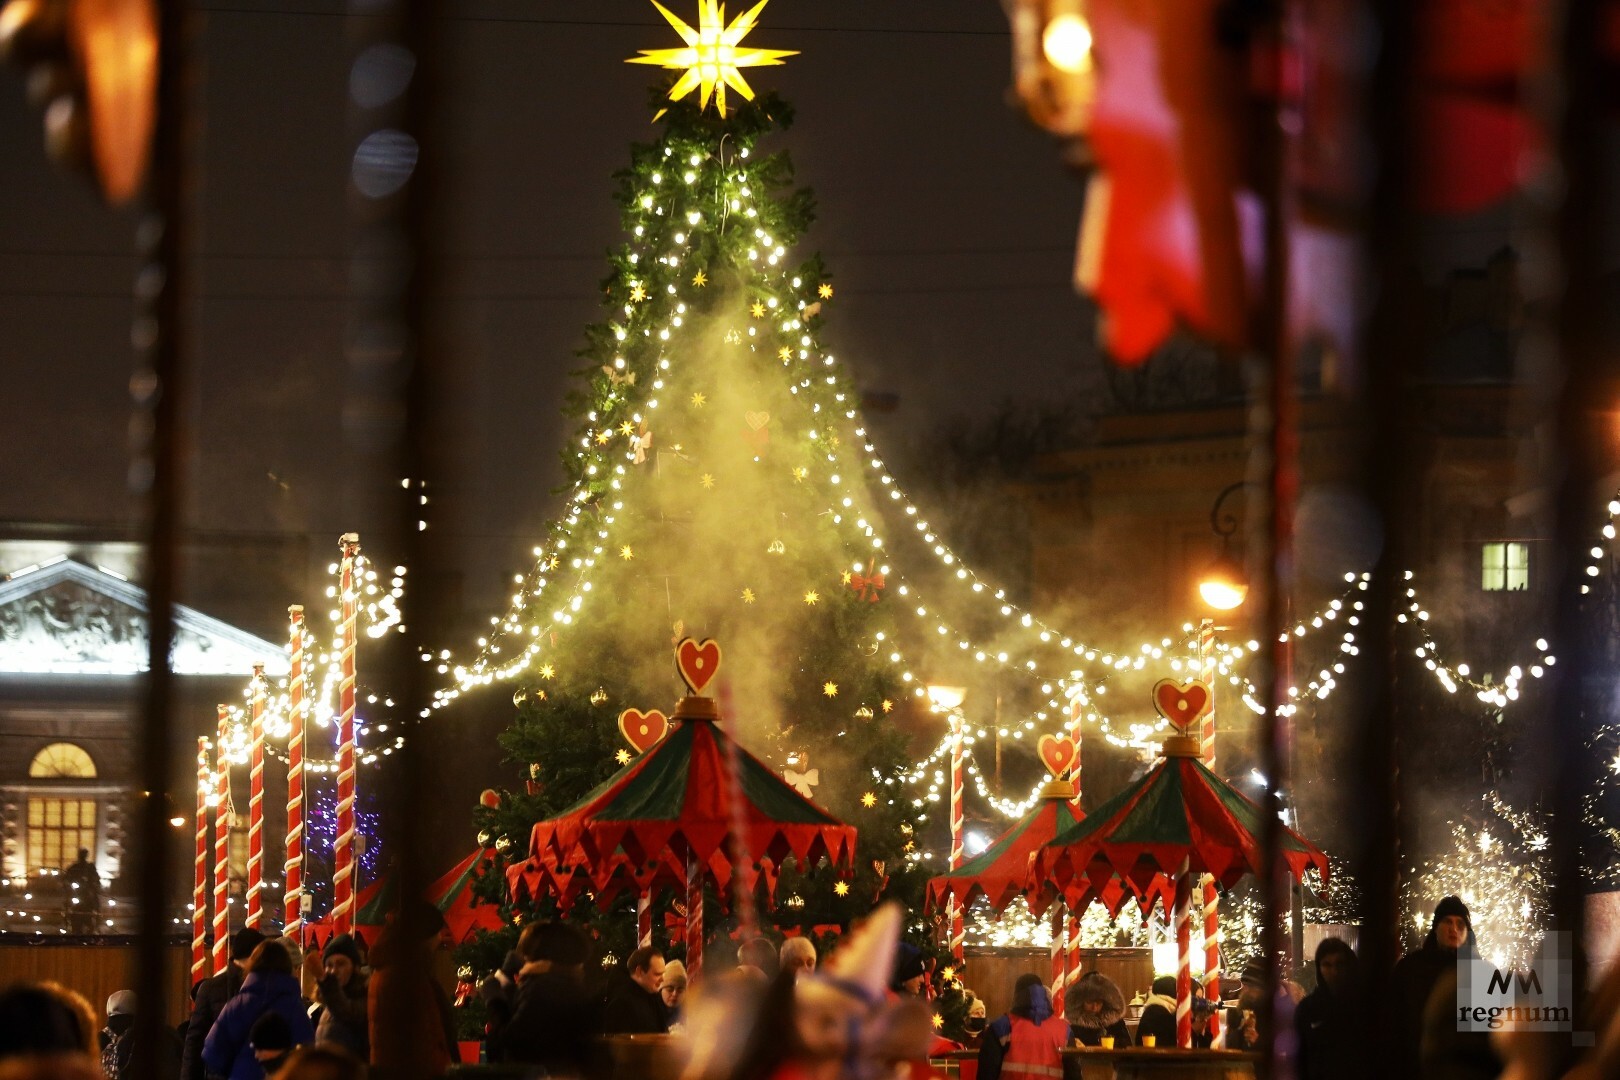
[1224,586]
[946,698]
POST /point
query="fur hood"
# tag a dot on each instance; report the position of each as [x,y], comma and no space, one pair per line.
[1093,986]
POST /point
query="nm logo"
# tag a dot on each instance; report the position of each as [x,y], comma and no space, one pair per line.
[1535,997]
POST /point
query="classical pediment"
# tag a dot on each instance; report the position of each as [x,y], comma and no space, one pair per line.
[65,618]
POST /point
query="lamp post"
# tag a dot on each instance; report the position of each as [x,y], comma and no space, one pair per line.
[948,700]
[1224,587]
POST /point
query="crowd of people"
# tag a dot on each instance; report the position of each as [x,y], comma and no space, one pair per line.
[776,1014]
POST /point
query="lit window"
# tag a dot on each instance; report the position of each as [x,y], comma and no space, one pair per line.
[57,829]
[62,761]
[1506,567]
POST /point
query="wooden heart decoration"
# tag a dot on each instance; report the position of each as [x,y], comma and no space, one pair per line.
[697,661]
[1058,753]
[643,730]
[757,420]
[1181,703]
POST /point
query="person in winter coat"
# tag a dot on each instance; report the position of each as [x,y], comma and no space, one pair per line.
[554,1019]
[269,986]
[1327,1019]
[1159,1013]
[1025,1044]
[210,998]
[404,997]
[1417,976]
[1095,1009]
[635,1006]
[340,988]
[119,1041]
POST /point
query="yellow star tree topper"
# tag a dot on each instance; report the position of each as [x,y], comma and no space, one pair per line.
[712,59]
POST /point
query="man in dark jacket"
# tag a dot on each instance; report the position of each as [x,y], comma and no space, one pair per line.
[1328,1020]
[1159,1014]
[1416,976]
[211,997]
[341,988]
[553,1020]
[635,1006]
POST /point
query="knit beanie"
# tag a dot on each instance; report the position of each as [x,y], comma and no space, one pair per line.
[1451,905]
[342,945]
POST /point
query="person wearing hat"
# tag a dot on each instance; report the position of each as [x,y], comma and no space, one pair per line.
[1159,1014]
[1423,998]
[1095,1009]
[272,1040]
[910,973]
[673,991]
[341,990]
[212,994]
[554,1018]
[1327,1021]
[1028,1040]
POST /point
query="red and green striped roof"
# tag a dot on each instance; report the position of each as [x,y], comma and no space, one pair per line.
[674,805]
[1000,872]
[1178,811]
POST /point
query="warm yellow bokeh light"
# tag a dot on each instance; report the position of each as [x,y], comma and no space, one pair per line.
[711,59]
[1223,595]
[1067,43]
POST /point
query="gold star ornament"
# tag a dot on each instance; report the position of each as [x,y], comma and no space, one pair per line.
[699,400]
[622,757]
[757,310]
[700,279]
[547,671]
[637,293]
[812,598]
[748,596]
[707,480]
[712,60]
[841,888]
[869,800]
[888,706]
[627,553]
[830,689]
[825,291]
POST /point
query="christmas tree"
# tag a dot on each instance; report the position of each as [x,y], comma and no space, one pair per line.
[711,494]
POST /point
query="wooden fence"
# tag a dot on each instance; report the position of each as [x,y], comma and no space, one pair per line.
[97,971]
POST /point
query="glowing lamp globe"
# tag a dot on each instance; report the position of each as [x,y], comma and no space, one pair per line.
[946,698]
[1224,587]
[1066,41]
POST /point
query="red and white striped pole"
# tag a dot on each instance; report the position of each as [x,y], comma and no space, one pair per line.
[1212,927]
[1183,920]
[1060,971]
[958,928]
[199,882]
[644,919]
[292,912]
[222,846]
[255,866]
[1071,963]
[343,876]
[694,918]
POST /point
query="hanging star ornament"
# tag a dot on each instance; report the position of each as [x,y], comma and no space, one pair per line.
[711,59]
[700,279]
[841,888]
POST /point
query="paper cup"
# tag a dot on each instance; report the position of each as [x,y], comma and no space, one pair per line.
[1150,1040]
[1107,1042]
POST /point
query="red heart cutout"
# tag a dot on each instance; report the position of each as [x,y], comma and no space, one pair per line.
[1057,753]
[697,661]
[1181,703]
[643,730]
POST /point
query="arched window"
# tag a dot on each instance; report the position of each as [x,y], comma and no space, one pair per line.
[60,824]
[62,760]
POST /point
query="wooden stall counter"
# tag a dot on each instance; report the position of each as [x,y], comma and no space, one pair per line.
[1139,1063]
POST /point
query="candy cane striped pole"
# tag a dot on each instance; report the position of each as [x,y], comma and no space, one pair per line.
[343,843]
[255,867]
[292,910]
[1212,927]
[958,929]
[1183,920]
[222,846]
[694,918]
[1060,971]
[644,919]
[199,882]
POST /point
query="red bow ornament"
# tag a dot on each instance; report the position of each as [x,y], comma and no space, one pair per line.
[867,588]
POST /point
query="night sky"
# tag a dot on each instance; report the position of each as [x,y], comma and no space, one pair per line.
[947,222]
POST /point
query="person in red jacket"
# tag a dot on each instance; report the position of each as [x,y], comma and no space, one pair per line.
[1025,1044]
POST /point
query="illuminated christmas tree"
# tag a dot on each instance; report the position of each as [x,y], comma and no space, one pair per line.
[712,492]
